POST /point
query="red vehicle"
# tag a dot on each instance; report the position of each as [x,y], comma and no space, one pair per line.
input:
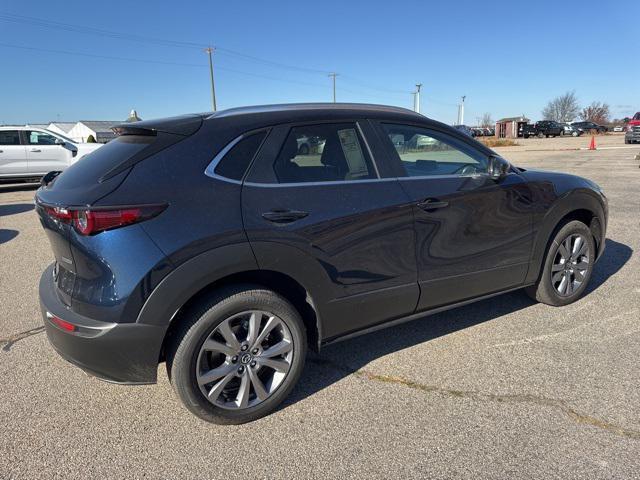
[632,135]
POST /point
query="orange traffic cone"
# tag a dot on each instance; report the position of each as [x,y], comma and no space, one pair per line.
[592,145]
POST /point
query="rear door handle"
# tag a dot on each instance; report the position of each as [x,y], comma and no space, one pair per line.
[284,216]
[432,204]
[36,150]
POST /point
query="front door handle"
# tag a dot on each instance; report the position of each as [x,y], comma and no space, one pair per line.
[432,204]
[36,150]
[284,216]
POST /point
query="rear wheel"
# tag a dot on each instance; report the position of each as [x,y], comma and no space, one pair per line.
[567,267]
[238,355]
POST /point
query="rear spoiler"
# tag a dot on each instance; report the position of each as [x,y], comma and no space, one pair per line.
[184,125]
[49,177]
[167,130]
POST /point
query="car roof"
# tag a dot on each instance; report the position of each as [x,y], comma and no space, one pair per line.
[356,109]
[269,115]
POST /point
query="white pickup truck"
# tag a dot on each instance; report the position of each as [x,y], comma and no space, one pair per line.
[27,152]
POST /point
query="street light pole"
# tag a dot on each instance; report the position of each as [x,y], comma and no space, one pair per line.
[334,75]
[210,51]
[417,98]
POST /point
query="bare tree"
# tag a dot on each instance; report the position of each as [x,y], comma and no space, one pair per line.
[597,112]
[564,108]
[487,121]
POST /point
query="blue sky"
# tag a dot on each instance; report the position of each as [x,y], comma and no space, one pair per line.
[506,59]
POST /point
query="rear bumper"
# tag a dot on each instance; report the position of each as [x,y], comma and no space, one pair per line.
[115,352]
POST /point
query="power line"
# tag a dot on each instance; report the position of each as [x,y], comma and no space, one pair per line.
[74,28]
[138,60]
[93,55]
[12,18]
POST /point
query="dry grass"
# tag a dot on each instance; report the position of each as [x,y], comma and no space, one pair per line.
[498,142]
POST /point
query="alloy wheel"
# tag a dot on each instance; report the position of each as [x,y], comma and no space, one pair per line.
[570,265]
[244,360]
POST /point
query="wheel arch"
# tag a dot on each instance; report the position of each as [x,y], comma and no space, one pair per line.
[224,266]
[578,205]
[278,282]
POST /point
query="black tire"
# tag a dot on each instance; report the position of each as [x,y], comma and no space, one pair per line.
[201,321]
[544,290]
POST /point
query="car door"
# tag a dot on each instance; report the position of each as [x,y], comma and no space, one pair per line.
[13,157]
[473,233]
[316,209]
[44,154]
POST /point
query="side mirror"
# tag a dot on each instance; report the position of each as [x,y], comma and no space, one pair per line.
[498,167]
[59,141]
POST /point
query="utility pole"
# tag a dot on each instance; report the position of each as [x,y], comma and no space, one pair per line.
[461,122]
[334,75]
[416,106]
[210,51]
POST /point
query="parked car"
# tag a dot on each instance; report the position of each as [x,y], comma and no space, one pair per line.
[543,128]
[466,130]
[618,128]
[308,145]
[589,127]
[632,132]
[30,153]
[229,269]
[569,129]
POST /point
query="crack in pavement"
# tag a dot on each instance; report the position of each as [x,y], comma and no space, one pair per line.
[7,343]
[561,405]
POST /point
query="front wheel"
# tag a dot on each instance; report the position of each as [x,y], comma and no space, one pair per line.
[238,355]
[567,267]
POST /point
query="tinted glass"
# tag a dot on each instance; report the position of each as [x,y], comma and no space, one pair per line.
[9,137]
[91,167]
[323,153]
[40,138]
[237,160]
[425,153]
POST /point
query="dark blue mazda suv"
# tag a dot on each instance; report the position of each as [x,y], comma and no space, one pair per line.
[227,244]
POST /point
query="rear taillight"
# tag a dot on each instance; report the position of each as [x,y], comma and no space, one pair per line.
[89,221]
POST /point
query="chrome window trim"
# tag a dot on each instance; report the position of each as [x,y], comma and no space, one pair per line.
[210,170]
[315,184]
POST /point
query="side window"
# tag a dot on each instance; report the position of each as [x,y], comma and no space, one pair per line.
[9,137]
[40,138]
[235,162]
[323,153]
[425,153]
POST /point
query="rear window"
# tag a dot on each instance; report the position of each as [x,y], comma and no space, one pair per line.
[235,163]
[91,167]
[9,137]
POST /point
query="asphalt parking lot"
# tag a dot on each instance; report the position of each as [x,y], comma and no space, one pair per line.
[504,388]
